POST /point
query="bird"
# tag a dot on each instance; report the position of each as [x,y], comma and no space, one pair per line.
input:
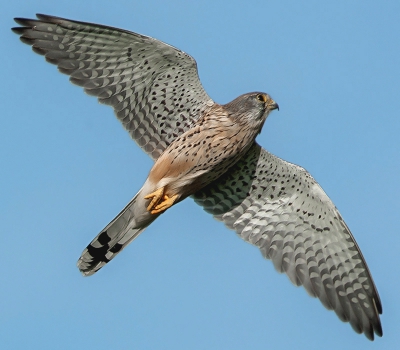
[207,151]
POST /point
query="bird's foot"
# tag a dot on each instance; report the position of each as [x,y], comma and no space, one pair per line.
[159,203]
[156,197]
[165,204]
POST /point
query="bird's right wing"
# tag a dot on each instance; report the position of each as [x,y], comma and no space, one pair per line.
[281,209]
[153,87]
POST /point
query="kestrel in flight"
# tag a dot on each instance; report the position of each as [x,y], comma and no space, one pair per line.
[208,151]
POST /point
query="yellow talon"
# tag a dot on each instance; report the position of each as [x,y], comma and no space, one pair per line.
[165,204]
[156,195]
[157,205]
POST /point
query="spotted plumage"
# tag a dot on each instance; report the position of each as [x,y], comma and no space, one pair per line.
[208,151]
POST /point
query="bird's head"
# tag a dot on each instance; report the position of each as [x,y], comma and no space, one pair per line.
[251,109]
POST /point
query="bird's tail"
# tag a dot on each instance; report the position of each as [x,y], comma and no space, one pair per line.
[122,230]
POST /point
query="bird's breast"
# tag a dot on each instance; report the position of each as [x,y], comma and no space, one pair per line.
[200,156]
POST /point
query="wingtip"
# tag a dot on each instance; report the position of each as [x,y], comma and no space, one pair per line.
[378,304]
[46,18]
[18,30]
[29,22]
[378,330]
[22,21]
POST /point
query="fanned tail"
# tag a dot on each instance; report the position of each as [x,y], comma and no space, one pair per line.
[122,230]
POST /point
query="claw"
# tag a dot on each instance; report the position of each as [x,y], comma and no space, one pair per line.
[158,205]
[165,204]
[156,196]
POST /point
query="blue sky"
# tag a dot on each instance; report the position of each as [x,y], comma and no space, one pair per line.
[187,282]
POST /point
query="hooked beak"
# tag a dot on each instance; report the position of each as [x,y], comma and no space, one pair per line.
[273,105]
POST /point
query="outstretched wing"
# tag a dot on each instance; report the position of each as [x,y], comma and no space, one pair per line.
[281,209]
[153,87]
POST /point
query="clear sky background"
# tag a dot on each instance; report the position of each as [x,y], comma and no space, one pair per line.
[68,167]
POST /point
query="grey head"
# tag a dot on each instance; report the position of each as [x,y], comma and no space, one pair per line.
[251,109]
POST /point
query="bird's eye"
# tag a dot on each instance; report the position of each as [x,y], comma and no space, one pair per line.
[261,98]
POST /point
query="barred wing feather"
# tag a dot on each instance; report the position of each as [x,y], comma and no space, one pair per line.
[278,207]
[153,87]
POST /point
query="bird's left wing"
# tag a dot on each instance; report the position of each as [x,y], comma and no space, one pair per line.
[281,209]
[153,87]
